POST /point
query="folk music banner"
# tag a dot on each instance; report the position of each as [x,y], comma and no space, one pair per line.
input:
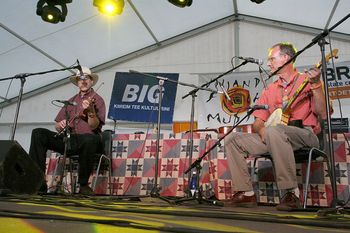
[215,110]
[135,97]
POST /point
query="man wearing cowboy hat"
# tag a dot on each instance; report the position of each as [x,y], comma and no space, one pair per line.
[83,118]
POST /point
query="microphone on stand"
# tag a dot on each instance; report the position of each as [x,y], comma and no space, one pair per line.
[82,76]
[224,91]
[66,102]
[259,107]
[252,60]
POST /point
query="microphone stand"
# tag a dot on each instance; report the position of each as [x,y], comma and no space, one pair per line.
[22,77]
[197,165]
[193,96]
[261,77]
[67,147]
[155,190]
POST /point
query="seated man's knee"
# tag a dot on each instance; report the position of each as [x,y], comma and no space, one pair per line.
[39,132]
[92,141]
[274,132]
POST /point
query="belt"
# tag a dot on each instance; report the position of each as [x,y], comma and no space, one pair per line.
[296,123]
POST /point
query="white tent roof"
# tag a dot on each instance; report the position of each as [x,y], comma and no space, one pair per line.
[30,45]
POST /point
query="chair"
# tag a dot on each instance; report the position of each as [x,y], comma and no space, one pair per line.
[302,155]
[73,161]
[107,139]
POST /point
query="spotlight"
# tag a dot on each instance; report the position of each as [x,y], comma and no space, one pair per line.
[109,7]
[49,11]
[257,1]
[181,3]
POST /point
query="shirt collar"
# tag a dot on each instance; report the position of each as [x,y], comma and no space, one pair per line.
[281,81]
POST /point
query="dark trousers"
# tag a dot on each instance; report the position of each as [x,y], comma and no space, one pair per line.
[84,145]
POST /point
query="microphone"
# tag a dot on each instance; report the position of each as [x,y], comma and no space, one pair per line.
[224,91]
[82,76]
[252,60]
[66,102]
[259,107]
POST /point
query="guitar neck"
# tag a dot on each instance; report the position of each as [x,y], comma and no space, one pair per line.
[287,108]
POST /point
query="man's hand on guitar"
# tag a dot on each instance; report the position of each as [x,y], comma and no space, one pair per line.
[314,75]
[60,125]
[262,134]
[258,127]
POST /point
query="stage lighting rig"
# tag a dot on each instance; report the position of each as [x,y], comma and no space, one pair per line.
[181,3]
[257,1]
[109,7]
[50,12]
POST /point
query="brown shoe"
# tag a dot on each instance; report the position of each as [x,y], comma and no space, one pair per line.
[240,200]
[289,202]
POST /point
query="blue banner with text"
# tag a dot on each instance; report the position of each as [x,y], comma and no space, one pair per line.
[135,97]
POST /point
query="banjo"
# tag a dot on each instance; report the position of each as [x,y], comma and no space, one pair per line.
[282,115]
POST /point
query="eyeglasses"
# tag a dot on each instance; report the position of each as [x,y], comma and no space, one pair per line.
[272,59]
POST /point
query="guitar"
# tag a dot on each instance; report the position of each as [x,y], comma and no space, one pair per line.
[281,116]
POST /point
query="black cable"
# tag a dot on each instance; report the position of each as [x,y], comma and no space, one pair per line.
[338,99]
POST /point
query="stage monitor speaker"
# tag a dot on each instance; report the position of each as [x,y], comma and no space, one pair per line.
[19,174]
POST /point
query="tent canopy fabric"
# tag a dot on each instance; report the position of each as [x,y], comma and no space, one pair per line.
[30,45]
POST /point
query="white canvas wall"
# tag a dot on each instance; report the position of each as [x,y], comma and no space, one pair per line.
[209,52]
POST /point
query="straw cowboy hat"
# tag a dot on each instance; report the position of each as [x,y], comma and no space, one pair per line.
[86,71]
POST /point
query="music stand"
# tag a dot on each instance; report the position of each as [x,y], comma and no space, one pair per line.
[196,164]
[67,147]
[155,190]
[193,94]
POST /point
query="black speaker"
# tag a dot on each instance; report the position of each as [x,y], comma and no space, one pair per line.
[19,174]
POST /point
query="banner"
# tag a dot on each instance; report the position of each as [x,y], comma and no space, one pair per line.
[245,88]
[339,81]
[135,97]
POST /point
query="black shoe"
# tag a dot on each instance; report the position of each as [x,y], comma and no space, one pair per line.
[43,189]
[86,191]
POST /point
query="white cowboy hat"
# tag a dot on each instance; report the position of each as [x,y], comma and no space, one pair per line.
[86,71]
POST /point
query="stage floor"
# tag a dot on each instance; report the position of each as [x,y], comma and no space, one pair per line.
[68,214]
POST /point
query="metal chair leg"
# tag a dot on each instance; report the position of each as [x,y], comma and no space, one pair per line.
[58,159]
[98,169]
[307,178]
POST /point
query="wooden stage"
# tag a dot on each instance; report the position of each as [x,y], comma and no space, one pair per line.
[68,214]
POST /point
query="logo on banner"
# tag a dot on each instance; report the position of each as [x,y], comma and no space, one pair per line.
[339,81]
[240,100]
[135,97]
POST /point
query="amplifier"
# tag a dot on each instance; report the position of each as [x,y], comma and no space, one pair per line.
[338,125]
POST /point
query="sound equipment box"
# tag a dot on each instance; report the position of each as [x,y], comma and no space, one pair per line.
[19,174]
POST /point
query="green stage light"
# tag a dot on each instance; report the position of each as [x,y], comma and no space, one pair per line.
[50,12]
[181,3]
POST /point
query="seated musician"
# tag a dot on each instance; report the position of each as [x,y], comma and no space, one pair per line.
[279,140]
[85,117]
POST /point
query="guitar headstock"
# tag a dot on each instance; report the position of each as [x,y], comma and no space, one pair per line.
[333,53]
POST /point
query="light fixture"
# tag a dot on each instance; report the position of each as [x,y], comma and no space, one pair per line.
[50,12]
[257,1]
[109,7]
[181,3]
